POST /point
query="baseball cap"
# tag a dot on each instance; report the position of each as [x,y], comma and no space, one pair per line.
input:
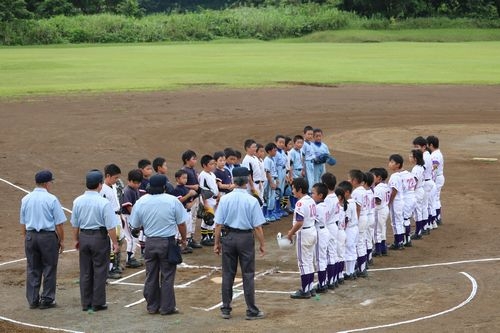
[158,181]
[240,172]
[93,178]
[43,176]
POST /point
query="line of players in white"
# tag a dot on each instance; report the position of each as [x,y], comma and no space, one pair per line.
[339,229]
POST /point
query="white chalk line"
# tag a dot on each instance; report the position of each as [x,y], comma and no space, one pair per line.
[471,296]
[26,191]
[38,326]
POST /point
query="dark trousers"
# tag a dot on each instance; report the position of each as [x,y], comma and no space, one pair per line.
[94,264]
[238,246]
[160,275]
[42,254]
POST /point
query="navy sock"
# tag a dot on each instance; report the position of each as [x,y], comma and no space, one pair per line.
[321,278]
[304,280]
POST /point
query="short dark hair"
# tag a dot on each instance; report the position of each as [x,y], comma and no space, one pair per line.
[321,189]
[358,175]
[248,143]
[229,152]
[317,130]
[308,128]
[383,173]
[329,180]
[369,179]
[346,186]
[279,136]
[112,170]
[187,155]
[158,162]
[180,172]
[287,140]
[397,158]
[205,159]
[300,184]
[297,138]
[238,154]
[143,163]
[135,175]
[270,146]
[433,140]
[219,154]
[259,146]
[420,141]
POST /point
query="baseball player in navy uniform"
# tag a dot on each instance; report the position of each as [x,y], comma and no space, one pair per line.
[303,221]
[240,219]
[42,218]
[94,225]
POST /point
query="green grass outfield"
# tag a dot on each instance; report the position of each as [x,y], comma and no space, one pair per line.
[103,68]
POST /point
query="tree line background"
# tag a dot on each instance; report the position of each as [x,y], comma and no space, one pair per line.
[396,9]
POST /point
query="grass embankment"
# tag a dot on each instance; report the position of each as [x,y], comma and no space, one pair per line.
[265,23]
[63,69]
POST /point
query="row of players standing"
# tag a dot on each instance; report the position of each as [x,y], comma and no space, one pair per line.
[336,227]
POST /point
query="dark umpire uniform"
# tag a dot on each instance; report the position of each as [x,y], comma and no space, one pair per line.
[237,216]
[43,218]
[93,220]
[160,215]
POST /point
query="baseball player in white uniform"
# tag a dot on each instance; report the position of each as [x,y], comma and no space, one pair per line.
[333,208]
[318,194]
[351,231]
[208,180]
[250,161]
[360,197]
[341,235]
[437,174]
[417,158]
[304,218]
[370,233]
[410,202]
[396,201]
[382,194]
[429,185]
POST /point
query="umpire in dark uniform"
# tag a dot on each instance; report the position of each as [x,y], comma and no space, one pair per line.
[161,215]
[43,218]
[239,218]
[94,224]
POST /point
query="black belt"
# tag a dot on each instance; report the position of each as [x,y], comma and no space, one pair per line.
[188,210]
[93,231]
[258,181]
[41,231]
[323,227]
[118,212]
[305,227]
[238,231]
[214,197]
[427,180]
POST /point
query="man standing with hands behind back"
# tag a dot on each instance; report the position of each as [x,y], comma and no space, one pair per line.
[94,224]
[237,216]
[42,217]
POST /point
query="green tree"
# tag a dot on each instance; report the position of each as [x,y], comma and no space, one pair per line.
[48,8]
[13,9]
[130,8]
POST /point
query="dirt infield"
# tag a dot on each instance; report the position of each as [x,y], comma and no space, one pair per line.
[363,126]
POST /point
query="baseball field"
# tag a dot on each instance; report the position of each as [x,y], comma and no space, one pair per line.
[74,108]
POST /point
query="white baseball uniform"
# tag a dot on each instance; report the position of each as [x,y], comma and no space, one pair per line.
[383,193]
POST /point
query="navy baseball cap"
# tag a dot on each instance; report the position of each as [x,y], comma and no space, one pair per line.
[158,181]
[43,176]
[240,172]
[93,178]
